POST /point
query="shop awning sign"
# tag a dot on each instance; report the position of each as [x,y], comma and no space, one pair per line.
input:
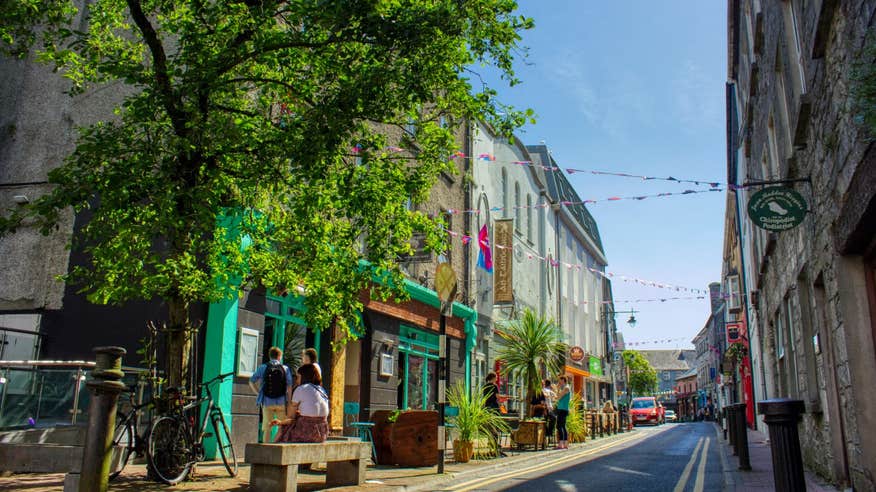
[777,208]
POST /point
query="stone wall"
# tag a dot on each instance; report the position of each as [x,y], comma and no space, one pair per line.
[805,286]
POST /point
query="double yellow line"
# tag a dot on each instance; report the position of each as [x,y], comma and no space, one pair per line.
[701,470]
[482,482]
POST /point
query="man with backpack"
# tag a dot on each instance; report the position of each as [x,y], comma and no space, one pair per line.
[274,391]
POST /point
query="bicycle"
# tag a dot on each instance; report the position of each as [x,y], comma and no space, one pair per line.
[127,440]
[175,443]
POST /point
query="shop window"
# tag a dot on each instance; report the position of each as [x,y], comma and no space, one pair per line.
[418,364]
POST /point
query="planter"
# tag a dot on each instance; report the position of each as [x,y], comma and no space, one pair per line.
[462,451]
[412,440]
[530,433]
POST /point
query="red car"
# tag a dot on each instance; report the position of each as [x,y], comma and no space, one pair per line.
[645,409]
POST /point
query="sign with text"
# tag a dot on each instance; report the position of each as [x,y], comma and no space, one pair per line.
[595,366]
[777,208]
[503,287]
[576,354]
[734,332]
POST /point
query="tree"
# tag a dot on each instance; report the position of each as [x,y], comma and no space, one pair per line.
[263,124]
[642,378]
[528,344]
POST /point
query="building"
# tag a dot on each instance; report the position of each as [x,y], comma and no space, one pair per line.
[669,365]
[686,395]
[809,291]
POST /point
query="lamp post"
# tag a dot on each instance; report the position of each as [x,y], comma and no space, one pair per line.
[609,315]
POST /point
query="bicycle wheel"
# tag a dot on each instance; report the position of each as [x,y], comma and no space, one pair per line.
[170,450]
[223,442]
[123,447]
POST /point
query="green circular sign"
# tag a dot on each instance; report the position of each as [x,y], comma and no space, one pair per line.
[777,208]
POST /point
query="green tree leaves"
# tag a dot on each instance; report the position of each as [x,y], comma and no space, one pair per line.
[250,110]
[642,378]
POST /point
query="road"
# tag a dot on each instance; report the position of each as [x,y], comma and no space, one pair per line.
[672,457]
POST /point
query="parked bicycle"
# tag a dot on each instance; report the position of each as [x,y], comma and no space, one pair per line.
[127,440]
[176,443]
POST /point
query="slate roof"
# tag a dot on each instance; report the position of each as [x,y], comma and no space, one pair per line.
[692,372]
[560,190]
[670,360]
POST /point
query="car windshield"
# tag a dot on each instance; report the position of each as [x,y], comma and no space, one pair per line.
[643,404]
[670,412]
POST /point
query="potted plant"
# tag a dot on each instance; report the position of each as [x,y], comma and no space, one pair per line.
[576,424]
[528,344]
[474,421]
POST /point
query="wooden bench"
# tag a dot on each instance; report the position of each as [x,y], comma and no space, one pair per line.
[275,465]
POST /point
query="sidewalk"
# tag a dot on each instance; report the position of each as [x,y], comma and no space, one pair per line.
[760,477]
[213,477]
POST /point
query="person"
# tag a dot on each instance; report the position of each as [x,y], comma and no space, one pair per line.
[609,411]
[564,395]
[549,398]
[275,388]
[537,406]
[307,415]
[491,391]
[309,357]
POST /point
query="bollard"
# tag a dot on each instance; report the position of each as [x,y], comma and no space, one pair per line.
[105,387]
[741,432]
[782,416]
[731,424]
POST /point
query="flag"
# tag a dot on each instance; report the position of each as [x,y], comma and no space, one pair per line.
[485,256]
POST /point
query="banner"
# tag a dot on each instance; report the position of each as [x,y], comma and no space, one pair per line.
[503,287]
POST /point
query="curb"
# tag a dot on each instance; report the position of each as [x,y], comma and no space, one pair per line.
[729,474]
[503,463]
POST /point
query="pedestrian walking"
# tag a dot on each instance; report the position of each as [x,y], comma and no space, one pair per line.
[550,412]
[564,395]
[274,380]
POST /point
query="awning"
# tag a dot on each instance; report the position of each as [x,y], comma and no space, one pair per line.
[576,372]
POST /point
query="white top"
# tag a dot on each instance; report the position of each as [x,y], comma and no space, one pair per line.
[549,397]
[312,401]
[318,369]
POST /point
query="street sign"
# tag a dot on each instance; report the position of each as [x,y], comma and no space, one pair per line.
[777,208]
[445,281]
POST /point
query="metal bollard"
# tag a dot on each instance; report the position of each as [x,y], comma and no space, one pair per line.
[731,424]
[105,388]
[782,416]
[741,432]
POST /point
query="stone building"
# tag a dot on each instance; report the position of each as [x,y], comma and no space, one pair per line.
[669,365]
[809,291]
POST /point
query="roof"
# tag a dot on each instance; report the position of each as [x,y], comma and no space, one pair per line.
[560,190]
[691,373]
[670,360]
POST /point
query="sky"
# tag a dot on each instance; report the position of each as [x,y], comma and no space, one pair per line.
[637,87]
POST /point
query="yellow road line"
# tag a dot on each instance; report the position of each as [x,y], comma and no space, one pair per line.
[701,470]
[480,482]
[682,481]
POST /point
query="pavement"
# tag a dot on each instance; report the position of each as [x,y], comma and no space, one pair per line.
[212,476]
[760,477]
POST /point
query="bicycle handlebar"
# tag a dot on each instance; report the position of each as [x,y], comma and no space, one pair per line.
[217,378]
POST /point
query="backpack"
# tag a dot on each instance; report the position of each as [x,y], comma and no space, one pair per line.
[274,385]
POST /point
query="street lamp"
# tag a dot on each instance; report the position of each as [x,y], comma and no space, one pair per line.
[632,312]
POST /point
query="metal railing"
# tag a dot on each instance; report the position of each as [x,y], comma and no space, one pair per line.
[43,393]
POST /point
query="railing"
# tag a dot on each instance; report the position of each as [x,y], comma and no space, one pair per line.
[42,393]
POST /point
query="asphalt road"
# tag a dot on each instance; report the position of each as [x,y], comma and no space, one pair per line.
[672,457]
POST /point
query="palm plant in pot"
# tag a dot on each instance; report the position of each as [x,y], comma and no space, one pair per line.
[529,344]
[473,422]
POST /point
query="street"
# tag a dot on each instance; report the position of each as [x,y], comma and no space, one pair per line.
[676,457]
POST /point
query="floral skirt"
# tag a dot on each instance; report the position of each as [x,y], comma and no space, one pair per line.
[304,429]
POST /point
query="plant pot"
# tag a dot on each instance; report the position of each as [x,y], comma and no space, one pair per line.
[462,451]
[412,440]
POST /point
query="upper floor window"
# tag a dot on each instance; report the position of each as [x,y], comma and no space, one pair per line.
[504,192]
[517,206]
[795,46]
[529,217]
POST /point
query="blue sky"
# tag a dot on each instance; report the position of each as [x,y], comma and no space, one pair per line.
[637,87]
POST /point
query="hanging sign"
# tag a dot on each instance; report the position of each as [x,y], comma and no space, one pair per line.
[595,366]
[576,354]
[734,333]
[503,292]
[777,208]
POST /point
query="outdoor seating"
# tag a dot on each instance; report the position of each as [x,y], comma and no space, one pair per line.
[362,428]
[275,465]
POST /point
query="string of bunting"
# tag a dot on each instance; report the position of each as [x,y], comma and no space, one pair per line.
[490,158]
[466,240]
[650,342]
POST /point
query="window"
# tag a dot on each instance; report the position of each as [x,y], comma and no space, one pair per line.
[529,217]
[504,192]
[809,343]
[417,363]
[795,46]
[731,290]
[517,207]
[791,340]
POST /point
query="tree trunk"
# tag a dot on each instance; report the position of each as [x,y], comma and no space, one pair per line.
[178,343]
[339,367]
